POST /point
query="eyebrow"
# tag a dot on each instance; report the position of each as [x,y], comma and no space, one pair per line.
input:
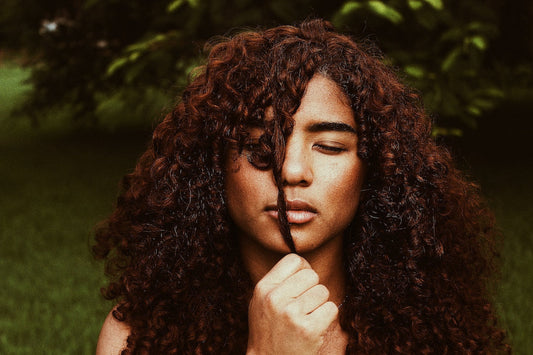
[330,126]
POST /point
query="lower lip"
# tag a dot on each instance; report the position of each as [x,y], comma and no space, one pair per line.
[296,216]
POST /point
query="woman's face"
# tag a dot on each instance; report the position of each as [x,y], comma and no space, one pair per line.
[322,177]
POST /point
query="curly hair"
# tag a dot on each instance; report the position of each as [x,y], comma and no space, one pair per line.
[419,255]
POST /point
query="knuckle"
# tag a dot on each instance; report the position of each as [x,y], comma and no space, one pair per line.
[292,310]
[292,257]
[309,331]
[295,260]
[311,275]
[331,308]
[260,288]
[271,299]
[322,290]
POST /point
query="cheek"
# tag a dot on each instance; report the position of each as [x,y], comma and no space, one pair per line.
[346,187]
[235,185]
[245,186]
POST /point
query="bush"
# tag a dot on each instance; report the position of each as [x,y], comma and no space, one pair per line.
[91,51]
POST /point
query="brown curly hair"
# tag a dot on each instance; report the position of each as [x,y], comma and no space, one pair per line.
[419,255]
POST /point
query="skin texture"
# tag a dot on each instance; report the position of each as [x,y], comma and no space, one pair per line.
[290,313]
[322,170]
[113,336]
[418,257]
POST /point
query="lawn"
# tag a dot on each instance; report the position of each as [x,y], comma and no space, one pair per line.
[56,185]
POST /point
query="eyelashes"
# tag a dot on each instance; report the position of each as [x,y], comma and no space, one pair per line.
[252,147]
[329,149]
[259,156]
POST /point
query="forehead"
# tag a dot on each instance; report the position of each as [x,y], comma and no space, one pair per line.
[323,99]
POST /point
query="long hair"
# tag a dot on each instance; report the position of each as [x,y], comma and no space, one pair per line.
[419,255]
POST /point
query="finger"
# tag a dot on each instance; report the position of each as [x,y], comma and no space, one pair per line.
[313,298]
[298,283]
[287,266]
[322,317]
[292,287]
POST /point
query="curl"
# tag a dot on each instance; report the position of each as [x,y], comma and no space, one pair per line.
[419,255]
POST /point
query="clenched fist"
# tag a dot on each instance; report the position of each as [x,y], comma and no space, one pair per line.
[289,312]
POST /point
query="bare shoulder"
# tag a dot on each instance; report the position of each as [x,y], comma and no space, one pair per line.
[113,336]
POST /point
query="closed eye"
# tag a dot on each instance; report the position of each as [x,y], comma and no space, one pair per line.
[257,155]
[328,149]
[252,147]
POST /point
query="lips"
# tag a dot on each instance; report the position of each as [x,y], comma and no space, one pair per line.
[298,212]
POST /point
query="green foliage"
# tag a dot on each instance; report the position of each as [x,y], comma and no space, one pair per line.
[442,49]
[387,12]
[97,48]
[55,187]
[54,191]
[11,90]
[174,5]
[50,301]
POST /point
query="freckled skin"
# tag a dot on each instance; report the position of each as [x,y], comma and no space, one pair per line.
[293,309]
[329,181]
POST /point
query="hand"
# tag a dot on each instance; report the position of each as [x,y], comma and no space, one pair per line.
[289,312]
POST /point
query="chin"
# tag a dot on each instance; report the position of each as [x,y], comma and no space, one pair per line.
[309,245]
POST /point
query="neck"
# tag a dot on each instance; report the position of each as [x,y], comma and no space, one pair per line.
[326,261]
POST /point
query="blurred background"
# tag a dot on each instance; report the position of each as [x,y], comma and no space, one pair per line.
[83,82]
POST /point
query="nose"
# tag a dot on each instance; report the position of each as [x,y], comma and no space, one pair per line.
[297,168]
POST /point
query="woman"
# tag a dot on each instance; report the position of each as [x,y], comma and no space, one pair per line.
[294,202]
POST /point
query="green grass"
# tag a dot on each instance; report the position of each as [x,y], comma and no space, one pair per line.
[508,188]
[54,190]
[57,184]
[12,88]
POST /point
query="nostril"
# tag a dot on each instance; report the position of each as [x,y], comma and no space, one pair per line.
[301,182]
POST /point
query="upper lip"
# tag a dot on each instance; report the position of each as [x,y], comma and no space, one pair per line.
[294,205]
